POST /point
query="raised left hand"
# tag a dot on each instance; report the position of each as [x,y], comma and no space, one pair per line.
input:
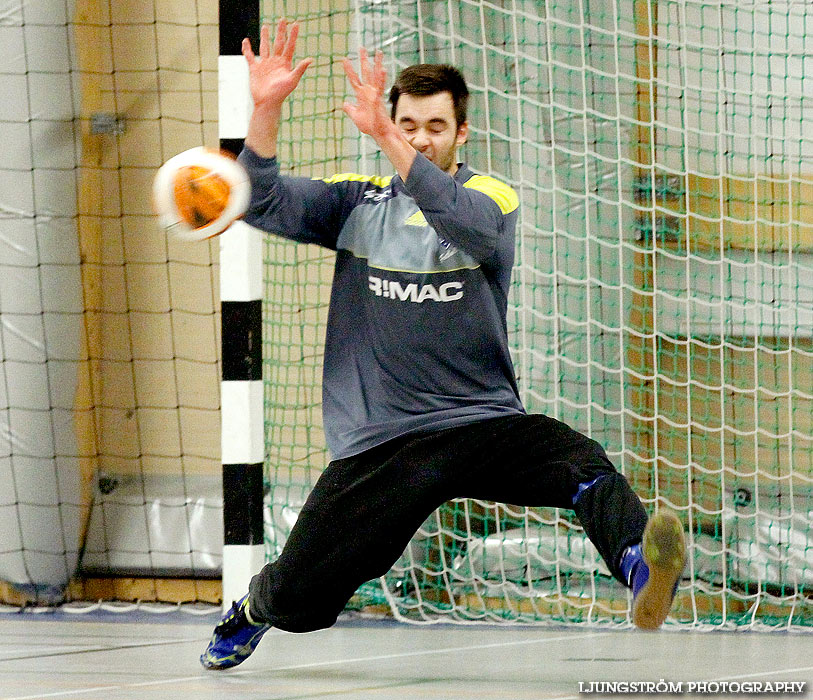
[369,113]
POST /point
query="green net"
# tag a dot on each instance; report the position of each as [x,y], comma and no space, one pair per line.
[662,299]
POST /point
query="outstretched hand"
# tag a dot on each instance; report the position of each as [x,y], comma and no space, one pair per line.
[271,76]
[369,113]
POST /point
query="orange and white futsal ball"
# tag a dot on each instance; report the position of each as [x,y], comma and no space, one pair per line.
[199,193]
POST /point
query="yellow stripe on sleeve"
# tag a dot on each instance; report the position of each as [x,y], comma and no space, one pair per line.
[376,180]
[505,197]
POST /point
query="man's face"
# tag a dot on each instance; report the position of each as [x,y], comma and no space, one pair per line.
[428,123]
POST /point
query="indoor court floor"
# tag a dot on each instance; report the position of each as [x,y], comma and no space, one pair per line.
[144,656]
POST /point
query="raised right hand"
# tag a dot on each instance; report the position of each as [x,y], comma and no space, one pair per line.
[271,77]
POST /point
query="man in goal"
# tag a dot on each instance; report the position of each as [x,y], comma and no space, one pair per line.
[420,399]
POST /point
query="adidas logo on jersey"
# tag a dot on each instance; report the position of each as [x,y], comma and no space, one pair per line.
[378,196]
[391,289]
[447,249]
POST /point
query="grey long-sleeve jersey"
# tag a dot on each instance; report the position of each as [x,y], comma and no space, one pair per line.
[416,331]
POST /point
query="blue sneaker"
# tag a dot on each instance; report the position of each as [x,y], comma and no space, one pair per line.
[234,638]
[654,576]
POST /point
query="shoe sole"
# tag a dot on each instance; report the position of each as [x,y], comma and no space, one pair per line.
[664,551]
[221,663]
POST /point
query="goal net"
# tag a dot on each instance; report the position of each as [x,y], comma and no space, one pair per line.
[662,300]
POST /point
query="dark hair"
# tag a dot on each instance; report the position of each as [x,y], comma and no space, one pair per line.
[430,79]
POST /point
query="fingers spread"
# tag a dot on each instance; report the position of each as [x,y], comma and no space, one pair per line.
[290,46]
[379,72]
[372,74]
[247,52]
[280,39]
[264,41]
[355,83]
[366,71]
[300,68]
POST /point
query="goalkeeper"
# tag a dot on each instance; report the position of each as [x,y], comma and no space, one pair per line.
[420,400]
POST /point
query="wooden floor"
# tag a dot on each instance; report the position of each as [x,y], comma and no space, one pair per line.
[144,656]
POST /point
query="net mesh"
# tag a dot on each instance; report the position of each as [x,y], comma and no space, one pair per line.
[662,299]
[109,355]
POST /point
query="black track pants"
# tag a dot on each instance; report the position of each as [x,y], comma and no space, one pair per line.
[364,510]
